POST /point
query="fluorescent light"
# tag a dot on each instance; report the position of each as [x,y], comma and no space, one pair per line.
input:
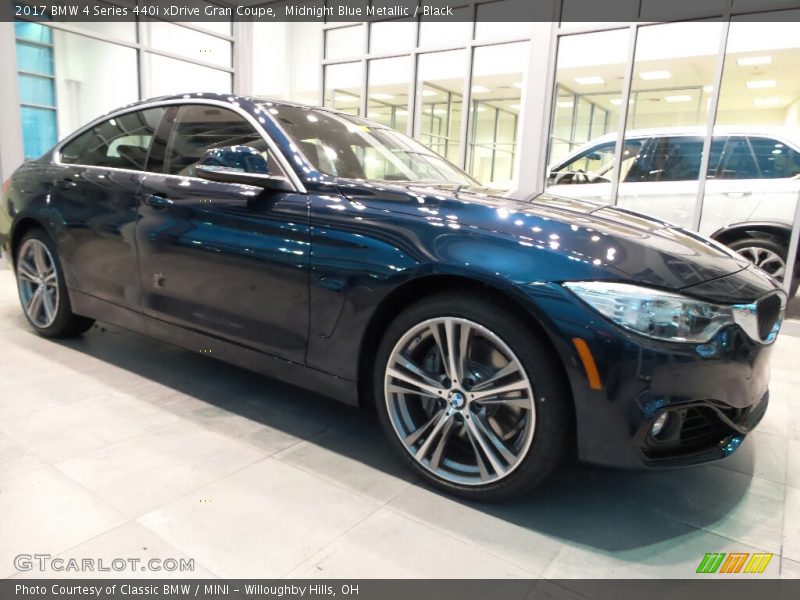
[618,101]
[565,104]
[516,106]
[439,111]
[708,88]
[678,98]
[381,96]
[654,75]
[759,84]
[589,80]
[479,89]
[752,61]
[771,101]
[429,93]
[481,109]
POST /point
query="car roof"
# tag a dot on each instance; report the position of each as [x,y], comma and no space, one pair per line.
[787,132]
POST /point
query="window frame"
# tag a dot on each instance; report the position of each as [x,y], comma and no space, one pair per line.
[292,177]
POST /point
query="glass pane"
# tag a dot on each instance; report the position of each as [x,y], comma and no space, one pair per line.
[33,32]
[93,77]
[497,73]
[755,189]
[590,70]
[486,29]
[124,30]
[34,59]
[189,43]
[37,90]
[170,76]
[440,85]
[441,34]
[669,91]
[39,131]
[344,42]
[343,87]
[388,91]
[392,37]
[122,142]
[284,70]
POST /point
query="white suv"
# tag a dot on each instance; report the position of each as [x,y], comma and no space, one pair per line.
[751,190]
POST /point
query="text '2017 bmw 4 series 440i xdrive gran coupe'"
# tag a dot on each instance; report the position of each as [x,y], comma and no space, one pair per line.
[494,337]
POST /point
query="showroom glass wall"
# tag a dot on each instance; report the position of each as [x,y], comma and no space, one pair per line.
[701,133]
[455,86]
[70,73]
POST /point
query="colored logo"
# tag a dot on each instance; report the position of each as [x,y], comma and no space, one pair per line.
[734,562]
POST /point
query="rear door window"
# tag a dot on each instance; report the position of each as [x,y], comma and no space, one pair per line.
[775,160]
[121,142]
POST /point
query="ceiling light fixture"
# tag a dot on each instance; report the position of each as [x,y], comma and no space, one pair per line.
[479,89]
[678,98]
[429,93]
[589,80]
[760,84]
[381,96]
[771,101]
[655,75]
[753,61]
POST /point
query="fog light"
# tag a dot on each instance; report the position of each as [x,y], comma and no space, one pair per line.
[658,426]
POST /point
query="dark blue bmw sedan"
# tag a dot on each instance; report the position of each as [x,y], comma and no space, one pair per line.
[494,337]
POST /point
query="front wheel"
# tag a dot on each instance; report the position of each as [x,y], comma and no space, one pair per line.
[472,397]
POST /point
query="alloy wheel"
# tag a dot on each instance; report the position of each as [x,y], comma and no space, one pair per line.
[765,259]
[37,280]
[460,401]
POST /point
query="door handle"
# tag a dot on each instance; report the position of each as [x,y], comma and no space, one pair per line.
[66,183]
[158,202]
[738,194]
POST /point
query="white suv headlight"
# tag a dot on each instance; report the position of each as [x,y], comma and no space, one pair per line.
[654,313]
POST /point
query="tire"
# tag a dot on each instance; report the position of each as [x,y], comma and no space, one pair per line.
[39,275]
[767,253]
[533,419]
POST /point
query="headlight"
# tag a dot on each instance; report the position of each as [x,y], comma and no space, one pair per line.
[653,313]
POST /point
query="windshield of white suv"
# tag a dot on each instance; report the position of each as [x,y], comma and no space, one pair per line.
[345,146]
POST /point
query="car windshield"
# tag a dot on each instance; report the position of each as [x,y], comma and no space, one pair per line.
[345,146]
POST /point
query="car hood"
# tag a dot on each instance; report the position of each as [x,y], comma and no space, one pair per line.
[612,243]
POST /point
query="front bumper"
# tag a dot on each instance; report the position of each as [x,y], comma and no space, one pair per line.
[715,393]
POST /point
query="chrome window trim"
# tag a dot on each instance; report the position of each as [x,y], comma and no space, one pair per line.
[285,166]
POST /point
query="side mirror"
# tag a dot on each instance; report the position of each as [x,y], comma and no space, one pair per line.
[239,164]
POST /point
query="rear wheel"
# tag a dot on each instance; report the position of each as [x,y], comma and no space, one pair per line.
[768,254]
[472,397]
[42,291]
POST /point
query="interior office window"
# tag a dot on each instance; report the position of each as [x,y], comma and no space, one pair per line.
[37,90]
[388,91]
[171,76]
[590,69]
[670,88]
[344,42]
[759,97]
[343,87]
[189,43]
[393,37]
[438,105]
[198,128]
[497,73]
[122,142]
[92,77]
[446,34]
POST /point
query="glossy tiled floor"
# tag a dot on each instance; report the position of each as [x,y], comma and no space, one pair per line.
[117,446]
